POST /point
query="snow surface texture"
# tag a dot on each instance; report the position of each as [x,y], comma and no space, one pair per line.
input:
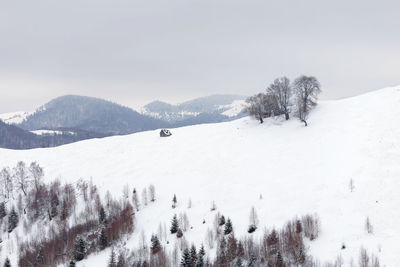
[297,169]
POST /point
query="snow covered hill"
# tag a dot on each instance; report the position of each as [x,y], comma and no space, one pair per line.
[296,169]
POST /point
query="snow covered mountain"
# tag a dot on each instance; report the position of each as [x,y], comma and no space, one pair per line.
[209,109]
[296,169]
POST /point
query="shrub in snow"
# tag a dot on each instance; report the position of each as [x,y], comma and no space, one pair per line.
[179,233]
[165,133]
[252,228]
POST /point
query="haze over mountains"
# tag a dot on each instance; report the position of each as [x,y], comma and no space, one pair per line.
[83,117]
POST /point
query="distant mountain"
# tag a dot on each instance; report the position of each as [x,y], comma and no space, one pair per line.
[13,137]
[89,114]
[209,109]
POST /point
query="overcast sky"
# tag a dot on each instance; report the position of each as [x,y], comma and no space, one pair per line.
[133,52]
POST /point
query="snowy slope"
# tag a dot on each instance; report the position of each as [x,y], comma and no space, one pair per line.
[297,170]
[14,117]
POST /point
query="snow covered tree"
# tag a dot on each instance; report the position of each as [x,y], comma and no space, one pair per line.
[193,255]
[221,220]
[281,89]
[144,197]
[102,216]
[37,175]
[174,202]
[200,257]
[186,259]
[79,248]
[12,220]
[6,181]
[152,191]
[174,225]
[7,262]
[155,244]
[228,227]
[103,239]
[307,89]
[3,210]
[21,177]
[112,260]
[135,200]
[253,219]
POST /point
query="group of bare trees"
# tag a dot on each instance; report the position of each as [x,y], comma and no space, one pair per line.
[285,98]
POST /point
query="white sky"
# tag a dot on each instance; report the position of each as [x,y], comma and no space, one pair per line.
[133,52]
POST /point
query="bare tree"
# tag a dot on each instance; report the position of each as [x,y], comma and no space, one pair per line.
[306,89]
[36,174]
[281,89]
[262,106]
[6,182]
[21,177]
[368,226]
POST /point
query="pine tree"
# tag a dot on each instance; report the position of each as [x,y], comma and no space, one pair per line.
[111,262]
[103,239]
[3,210]
[80,248]
[12,220]
[155,244]
[193,255]
[252,261]
[186,260]
[102,215]
[174,225]
[228,227]
[279,260]
[7,262]
[64,211]
[174,201]
[135,200]
[53,206]
[121,260]
[200,259]
[71,263]
[222,220]
[239,263]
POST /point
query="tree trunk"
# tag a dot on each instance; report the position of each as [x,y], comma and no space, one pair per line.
[305,123]
[287,116]
[261,119]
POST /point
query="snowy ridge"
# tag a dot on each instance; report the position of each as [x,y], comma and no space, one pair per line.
[297,170]
[14,117]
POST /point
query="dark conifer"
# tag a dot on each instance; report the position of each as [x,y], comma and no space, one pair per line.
[7,262]
[80,249]
[193,255]
[221,220]
[228,227]
[174,225]
[3,210]
[103,239]
[12,220]
[155,244]
[112,261]
[102,215]
[186,260]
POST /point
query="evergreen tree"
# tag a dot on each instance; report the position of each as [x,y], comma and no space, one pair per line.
[7,262]
[193,255]
[111,262]
[174,225]
[202,250]
[174,201]
[186,260]
[80,248]
[200,260]
[64,211]
[222,220]
[279,260]
[102,215]
[121,260]
[239,263]
[103,238]
[12,220]
[252,261]
[3,210]
[53,206]
[155,244]
[71,263]
[228,227]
